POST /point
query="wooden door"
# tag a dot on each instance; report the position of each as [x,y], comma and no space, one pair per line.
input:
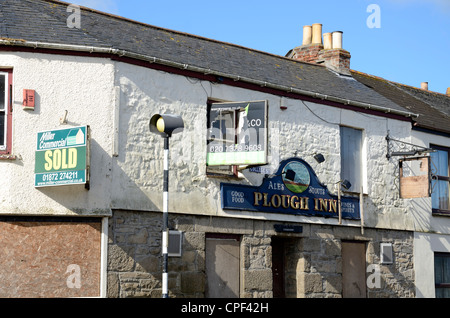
[353,269]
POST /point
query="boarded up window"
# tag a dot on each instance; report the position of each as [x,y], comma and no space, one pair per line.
[414,177]
[48,257]
[351,156]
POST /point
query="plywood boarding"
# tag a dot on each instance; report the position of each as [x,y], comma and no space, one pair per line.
[48,258]
[414,178]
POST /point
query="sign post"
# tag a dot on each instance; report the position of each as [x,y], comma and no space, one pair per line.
[62,157]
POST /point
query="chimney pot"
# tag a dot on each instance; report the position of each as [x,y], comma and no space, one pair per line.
[327,43]
[307,35]
[448,91]
[424,85]
[317,33]
[330,53]
[337,39]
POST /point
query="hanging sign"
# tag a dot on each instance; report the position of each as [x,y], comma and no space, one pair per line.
[62,157]
[295,189]
[237,133]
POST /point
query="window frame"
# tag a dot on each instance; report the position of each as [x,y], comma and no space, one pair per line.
[8,111]
[229,171]
[445,285]
[437,178]
[356,187]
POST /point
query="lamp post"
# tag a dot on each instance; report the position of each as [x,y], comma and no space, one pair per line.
[165,126]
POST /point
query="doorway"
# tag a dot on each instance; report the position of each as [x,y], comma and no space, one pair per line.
[222,266]
[278,267]
[354,269]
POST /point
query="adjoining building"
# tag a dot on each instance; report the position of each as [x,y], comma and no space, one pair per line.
[294,176]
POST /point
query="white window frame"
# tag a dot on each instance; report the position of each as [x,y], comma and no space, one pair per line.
[362,182]
[440,177]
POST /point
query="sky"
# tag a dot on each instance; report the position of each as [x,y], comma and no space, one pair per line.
[405,41]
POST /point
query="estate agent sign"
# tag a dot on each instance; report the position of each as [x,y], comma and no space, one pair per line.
[62,157]
[295,189]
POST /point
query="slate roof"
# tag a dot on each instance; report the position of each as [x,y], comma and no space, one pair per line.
[46,21]
[433,108]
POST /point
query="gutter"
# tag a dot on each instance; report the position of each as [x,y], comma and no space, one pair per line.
[152,59]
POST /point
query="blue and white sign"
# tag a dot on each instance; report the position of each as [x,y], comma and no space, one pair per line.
[295,189]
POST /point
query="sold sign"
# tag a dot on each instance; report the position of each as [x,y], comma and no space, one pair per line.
[62,157]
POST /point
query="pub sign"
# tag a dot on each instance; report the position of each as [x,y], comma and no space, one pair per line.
[294,189]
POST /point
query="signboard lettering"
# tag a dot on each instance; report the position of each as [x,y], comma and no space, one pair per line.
[62,157]
[295,189]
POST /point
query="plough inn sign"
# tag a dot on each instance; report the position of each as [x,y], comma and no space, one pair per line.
[294,189]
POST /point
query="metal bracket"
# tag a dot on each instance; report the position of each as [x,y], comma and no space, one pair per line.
[409,149]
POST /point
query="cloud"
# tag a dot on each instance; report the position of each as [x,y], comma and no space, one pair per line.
[109,6]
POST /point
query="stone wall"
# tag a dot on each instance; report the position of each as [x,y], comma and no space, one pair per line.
[315,262]
[313,257]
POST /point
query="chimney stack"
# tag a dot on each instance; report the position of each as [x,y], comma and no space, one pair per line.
[424,86]
[448,91]
[329,52]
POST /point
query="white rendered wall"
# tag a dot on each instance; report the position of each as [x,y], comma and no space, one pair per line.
[297,131]
[425,245]
[117,100]
[82,86]
[431,232]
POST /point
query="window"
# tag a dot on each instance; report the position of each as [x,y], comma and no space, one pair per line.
[440,184]
[237,135]
[351,155]
[442,274]
[5,111]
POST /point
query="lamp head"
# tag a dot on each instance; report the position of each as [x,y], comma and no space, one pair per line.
[319,158]
[166,125]
[346,184]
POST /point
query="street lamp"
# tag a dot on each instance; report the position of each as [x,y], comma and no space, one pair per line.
[165,126]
